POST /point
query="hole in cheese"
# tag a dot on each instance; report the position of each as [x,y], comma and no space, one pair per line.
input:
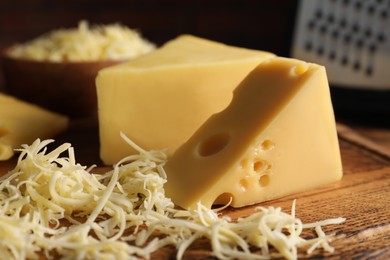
[4,131]
[214,144]
[244,184]
[244,163]
[267,145]
[259,165]
[223,199]
[299,69]
[264,180]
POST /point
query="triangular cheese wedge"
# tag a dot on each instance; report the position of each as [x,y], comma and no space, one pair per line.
[160,99]
[22,122]
[277,137]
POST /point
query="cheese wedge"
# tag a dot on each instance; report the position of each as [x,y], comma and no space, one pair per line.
[22,123]
[160,99]
[277,137]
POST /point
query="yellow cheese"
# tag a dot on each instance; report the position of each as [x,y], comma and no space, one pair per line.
[22,123]
[160,99]
[277,137]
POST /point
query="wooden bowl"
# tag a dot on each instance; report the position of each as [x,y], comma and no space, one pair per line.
[64,87]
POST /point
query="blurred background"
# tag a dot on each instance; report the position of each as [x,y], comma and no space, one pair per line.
[304,29]
[265,25]
[248,23]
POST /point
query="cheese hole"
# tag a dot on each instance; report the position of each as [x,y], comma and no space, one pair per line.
[4,131]
[299,69]
[244,184]
[267,145]
[259,165]
[214,144]
[264,180]
[244,163]
[224,199]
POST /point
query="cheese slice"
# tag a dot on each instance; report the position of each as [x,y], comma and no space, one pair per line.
[160,99]
[22,123]
[277,137]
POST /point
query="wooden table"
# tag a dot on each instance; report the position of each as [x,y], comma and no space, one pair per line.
[362,196]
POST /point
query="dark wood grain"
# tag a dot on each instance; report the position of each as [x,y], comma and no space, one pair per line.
[362,197]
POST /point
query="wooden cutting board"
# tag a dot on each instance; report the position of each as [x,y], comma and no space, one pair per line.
[362,196]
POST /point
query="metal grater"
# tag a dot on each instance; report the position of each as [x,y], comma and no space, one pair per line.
[351,38]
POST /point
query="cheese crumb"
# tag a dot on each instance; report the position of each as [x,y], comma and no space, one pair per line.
[50,205]
[85,43]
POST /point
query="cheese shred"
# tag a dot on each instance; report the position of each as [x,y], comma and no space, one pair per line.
[85,43]
[51,206]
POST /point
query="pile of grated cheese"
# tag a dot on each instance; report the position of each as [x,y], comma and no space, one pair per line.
[85,43]
[52,206]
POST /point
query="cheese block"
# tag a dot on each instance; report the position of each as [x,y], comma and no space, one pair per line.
[277,137]
[159,100]
[22,123]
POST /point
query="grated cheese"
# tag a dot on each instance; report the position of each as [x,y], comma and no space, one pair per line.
[51,205]
[84,43]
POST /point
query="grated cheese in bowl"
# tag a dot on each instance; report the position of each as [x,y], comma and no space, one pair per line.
[84,43]
[52,206]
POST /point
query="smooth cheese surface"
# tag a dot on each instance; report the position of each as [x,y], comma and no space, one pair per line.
[22,123]
[160,99]
[277,137]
